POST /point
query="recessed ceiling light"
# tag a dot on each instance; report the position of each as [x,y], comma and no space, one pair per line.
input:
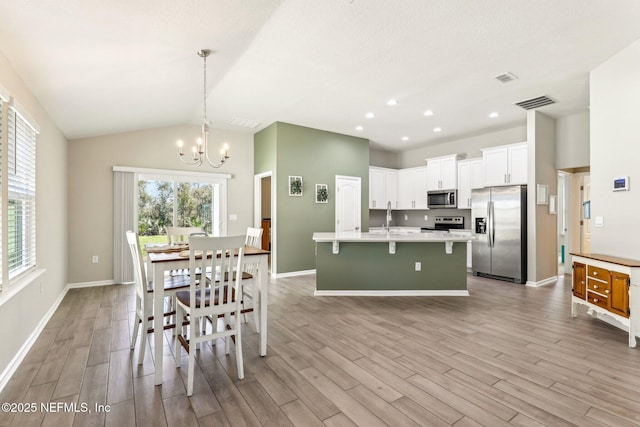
[405,138]
[494,115]
[437,129]
[359,128]
[370,115]
[428,113]
[392,102]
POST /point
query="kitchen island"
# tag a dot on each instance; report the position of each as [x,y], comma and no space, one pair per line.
[381,263]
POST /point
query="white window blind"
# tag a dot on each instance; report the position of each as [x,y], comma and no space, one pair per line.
[21,206]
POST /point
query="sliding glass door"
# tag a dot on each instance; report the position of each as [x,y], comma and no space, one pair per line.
[180,201]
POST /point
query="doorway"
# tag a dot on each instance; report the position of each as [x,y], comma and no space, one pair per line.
[264,213]
[348,204]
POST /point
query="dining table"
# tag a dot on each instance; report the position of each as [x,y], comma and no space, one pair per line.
[163,258]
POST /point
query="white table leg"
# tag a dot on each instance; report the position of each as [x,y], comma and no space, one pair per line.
[263,282]
[158,315]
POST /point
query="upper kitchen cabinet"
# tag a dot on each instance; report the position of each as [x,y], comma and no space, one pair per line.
[412,188]
[383,188]
[442,173]
[470,176]
[505,165]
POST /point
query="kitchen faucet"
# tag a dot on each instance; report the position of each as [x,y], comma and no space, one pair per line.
[388,214]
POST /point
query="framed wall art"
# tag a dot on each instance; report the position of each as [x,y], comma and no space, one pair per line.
[322,193]
[295,186]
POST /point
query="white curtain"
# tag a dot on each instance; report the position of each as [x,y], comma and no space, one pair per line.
[124,211]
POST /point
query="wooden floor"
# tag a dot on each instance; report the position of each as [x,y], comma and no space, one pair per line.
[506,355]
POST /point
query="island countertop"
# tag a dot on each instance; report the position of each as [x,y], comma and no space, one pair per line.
[389,237]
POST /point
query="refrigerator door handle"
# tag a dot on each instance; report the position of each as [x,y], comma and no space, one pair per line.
[489,243]
[493,226]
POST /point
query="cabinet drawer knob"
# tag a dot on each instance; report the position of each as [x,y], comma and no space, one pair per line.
[595,300]
[595,286]
[607,291]
[595,273]
[582,281]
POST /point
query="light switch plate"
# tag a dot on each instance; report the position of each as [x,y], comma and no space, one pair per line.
[599,221]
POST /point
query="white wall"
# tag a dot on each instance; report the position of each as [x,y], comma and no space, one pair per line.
[467,147]
[20,316]
[615,151]
[383,159]
[91,186]
[572,141]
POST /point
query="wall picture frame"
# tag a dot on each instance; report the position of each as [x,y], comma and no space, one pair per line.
[542,194]
[295,186]
[322,193]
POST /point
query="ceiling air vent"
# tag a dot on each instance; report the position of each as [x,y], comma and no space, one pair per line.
[506,77]
[533,103]
[245,123]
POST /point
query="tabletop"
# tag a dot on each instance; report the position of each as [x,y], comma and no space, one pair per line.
[175,255]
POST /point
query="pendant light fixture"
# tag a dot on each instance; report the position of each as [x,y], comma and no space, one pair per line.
[200,151]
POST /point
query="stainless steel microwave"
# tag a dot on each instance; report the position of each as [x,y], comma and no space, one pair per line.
[442,199]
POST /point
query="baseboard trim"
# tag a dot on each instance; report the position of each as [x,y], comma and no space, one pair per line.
[22,353]
[91,284]
[547,281]
[294,273]
[394,293]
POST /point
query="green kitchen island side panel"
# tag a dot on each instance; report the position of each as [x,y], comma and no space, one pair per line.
[363,267]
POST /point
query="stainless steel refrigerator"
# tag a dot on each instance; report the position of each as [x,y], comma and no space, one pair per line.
[499,222]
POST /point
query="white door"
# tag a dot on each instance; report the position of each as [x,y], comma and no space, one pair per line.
[347,203]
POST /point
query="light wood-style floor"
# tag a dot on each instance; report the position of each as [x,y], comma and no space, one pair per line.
[506,355]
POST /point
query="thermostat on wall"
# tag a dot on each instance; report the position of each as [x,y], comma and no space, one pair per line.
[621,183]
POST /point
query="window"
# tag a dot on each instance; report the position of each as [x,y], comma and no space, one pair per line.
[18,180]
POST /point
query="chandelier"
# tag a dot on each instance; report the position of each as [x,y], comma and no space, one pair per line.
[200,151]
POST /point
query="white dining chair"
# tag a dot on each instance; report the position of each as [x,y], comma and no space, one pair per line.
[177,235]
[216,298]
[143,322]
[253,238]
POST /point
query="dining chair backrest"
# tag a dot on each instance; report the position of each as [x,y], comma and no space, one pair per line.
[254,237]
[181,234]
[221,255]
[139,273]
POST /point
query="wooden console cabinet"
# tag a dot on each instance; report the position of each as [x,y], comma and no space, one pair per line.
[609,286]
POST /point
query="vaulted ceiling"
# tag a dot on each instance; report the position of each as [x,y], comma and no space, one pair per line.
[101,67]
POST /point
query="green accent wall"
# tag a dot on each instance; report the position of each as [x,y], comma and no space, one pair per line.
[264,150]
[318,156]
[365,266]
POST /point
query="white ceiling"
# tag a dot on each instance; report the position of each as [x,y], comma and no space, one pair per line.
[101,67]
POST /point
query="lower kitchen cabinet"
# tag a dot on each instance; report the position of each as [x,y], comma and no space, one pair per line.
[609,286]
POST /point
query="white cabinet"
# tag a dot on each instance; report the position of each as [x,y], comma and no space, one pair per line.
[412,188]
[470,176]
[442,173]
[383,184]
[505,165]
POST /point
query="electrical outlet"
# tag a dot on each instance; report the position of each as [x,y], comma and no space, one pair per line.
[426,217]
[233,217]
[406,217]
[418,266]
[599,221]
[94,259]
